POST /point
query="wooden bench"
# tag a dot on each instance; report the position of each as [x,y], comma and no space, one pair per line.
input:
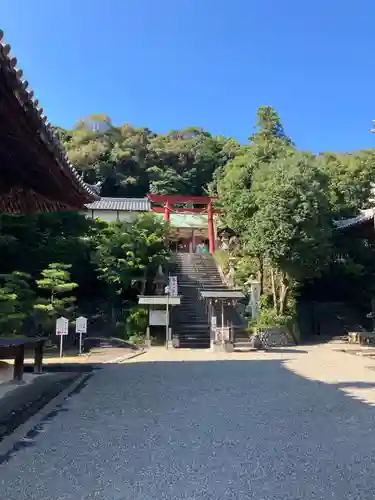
[14,348]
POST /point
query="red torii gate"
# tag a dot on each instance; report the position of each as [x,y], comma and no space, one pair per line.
[169,200]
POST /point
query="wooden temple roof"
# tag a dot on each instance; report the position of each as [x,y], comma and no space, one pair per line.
[121,204]
[363,225]
[35,172]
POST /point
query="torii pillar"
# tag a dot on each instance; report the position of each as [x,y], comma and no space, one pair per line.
[166,211]
[170,200]
[211,233]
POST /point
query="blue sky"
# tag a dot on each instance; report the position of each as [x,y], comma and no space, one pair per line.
[168,64]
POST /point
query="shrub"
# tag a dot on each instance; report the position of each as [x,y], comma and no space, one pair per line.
[136,322]
[137,339]
[268,317]
[222,259]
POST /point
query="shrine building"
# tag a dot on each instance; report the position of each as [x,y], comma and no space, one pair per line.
[192,219]
[36,174]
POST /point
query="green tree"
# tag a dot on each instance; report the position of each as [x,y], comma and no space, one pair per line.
[10,319]
[136,324]
[291,227]
[269,141]
[132,161]
[19,283]
[124,252]
[351,178]
[16,301]
[233,182]
[57,283]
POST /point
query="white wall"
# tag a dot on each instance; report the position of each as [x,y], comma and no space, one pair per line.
[111,215]
[128,216]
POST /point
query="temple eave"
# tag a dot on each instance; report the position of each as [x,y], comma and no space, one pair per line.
[35,169]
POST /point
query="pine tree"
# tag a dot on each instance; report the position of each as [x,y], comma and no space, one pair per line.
[57,282]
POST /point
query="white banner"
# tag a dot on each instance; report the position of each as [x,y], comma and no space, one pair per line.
[255,299]
[173,286]
[81,325]
[62,326]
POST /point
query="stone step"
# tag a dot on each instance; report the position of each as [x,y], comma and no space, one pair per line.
[192,329]
[195,272]
[199,311]
[194,345]
[191,319]
[186,324]
[191,336]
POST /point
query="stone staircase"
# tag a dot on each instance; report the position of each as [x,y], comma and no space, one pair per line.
[190,321]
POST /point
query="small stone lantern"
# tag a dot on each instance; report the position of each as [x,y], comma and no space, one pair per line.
[160,281]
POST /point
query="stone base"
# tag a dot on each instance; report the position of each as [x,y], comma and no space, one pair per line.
[170,344]
[255,342]
[229,346]
[220,347]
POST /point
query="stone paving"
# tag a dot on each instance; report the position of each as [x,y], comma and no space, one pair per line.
[178,425]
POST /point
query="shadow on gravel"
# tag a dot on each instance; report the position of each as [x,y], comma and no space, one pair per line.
[282,350]
[65,367]
[24,402]
[254,425]
[228,376]
[20,404]
[357,385]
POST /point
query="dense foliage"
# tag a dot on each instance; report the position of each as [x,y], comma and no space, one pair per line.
[64,264]
[127,253]
[283,204]
[132,161]
[280,202]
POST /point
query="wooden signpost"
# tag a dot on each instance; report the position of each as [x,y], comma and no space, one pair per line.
[81,327]
[62,329]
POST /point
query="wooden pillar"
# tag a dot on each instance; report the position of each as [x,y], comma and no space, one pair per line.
[191,244]
[38,357]
[166,218]
[166,211]
[19,359]
[211,234]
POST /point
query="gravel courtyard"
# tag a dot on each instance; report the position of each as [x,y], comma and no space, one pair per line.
[193,425]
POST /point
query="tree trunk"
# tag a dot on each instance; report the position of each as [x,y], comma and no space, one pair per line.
[144,282]
[273,289]
[113,315]
[283,294]
[261,274]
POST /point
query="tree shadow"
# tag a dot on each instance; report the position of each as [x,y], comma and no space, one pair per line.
[257,428]
[209,430]
[355,384]
[281,350]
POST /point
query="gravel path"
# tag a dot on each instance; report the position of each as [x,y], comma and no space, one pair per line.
[202,429]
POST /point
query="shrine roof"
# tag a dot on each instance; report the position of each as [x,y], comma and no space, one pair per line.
[121,204]
[362,218]
[36,171]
